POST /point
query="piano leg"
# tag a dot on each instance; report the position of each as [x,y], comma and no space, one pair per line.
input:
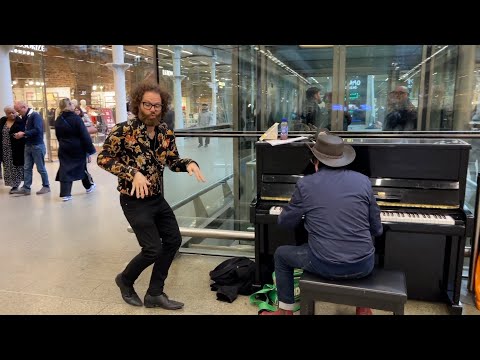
[454,256]
[456,309]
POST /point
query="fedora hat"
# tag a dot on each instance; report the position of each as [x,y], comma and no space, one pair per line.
[331,151]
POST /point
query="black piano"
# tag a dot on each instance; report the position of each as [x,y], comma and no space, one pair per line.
[419,185]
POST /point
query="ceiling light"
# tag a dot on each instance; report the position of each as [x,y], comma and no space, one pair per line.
[314,46]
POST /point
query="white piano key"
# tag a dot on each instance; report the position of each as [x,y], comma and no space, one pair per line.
[416,218]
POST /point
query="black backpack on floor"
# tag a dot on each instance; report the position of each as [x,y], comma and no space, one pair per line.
[232,277]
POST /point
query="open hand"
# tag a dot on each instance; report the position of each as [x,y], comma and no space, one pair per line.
[192,168]
[140,185]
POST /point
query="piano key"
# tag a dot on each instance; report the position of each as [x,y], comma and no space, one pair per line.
[407,217]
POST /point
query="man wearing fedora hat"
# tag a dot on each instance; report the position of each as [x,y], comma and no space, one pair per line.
[340,215]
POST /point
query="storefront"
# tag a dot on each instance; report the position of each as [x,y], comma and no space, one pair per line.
[42,75]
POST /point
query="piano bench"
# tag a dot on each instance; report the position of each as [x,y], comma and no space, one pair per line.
[382,289]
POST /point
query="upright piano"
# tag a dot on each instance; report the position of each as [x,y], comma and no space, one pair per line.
[419,185]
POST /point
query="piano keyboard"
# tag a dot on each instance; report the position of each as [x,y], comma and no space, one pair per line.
[417,218]
[399,217]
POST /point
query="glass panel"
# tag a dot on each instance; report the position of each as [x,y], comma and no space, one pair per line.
[473,168]
[197,85]
[211,204]
[290,71]
[379,79]
[441,71]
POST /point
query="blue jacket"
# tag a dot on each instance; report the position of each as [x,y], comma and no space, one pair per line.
[33,128]
[341,214]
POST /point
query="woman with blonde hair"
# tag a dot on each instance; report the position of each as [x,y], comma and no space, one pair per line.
[75,147]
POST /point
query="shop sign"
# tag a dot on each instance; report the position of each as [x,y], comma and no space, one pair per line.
[107,117]
[40,48]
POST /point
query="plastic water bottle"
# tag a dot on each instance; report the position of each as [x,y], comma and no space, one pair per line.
[284,129]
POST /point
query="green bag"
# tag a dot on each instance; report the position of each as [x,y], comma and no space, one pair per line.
[267,297]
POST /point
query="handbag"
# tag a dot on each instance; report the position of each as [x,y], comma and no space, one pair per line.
[267,298]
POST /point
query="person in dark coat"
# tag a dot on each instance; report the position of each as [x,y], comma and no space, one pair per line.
[11,149]
[75,146]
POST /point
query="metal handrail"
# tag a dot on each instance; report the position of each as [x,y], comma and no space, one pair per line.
[213,233]
[217,233]
[201,192]
[350,134]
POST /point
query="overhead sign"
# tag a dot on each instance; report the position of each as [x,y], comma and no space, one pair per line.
[40,48]
[22,51]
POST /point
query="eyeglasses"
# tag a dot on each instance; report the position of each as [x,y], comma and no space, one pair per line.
[148,106]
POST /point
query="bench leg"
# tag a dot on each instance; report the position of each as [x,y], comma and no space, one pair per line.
[307,305]
[399,310]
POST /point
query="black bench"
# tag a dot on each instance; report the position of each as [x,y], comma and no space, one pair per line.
[382,289]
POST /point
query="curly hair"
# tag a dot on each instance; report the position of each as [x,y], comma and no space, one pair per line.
[137,95]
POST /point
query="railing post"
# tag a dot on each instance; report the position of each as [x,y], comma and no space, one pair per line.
[200,211]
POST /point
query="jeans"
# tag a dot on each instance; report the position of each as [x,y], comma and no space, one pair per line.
[66,186]
[207,140]
[288,257]
[157,232]
[34,154]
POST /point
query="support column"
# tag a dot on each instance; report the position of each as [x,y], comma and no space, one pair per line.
[464,86]
[214,87]
[176,56]
[370,105]
[119,67]
[6,94]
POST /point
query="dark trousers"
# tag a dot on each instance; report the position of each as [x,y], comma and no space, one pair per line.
[289,257]
[66,186]
[207,140]
[157,232]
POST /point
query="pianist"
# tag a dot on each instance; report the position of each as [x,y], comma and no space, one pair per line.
[340,216]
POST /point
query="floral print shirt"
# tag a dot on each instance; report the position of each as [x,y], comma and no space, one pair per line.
[128,149]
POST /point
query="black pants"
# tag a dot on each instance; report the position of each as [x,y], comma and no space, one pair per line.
[207,140]
[157,232]
[66,186]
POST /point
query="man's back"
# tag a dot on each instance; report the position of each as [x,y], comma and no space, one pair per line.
[339,208]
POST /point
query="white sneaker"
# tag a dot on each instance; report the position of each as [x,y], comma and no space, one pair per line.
[67,198]
[91,188]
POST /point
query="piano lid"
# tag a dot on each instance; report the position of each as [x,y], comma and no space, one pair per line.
[436,143]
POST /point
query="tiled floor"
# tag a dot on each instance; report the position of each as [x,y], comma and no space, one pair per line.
[61,258]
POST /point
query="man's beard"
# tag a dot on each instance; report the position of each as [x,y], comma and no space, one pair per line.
[148,121]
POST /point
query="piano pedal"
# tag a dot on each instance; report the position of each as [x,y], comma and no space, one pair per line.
[275,210]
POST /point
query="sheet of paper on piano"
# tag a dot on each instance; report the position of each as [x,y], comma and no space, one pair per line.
[289,140]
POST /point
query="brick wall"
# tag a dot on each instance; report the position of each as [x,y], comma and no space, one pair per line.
[63,69]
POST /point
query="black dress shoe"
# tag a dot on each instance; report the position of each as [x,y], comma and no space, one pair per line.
[128,292]
[161,301]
